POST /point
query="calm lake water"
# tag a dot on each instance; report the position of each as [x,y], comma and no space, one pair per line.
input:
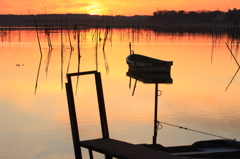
[34,120]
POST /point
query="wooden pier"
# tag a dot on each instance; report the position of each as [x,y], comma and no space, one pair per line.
[124,150]
[106,145]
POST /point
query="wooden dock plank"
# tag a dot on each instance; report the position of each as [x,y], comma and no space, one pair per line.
[124,150]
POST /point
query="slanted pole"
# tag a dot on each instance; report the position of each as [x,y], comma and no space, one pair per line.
[102,110]
[73,120]
[101,104]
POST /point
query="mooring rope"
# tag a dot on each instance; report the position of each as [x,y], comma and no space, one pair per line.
[160,123]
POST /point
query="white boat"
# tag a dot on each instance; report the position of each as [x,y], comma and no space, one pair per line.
[141,63]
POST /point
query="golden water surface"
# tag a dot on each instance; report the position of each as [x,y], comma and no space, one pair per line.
[34,117]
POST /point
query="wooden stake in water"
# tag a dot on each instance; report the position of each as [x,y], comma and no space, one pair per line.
[48,36]
[233,56]
[40,62]
[71,47]
[79,55]
[130,47]
[38,37]
[62,52]
[48,60]
[105,37]
[97,36]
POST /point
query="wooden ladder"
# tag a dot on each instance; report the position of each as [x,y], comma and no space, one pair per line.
[105,145]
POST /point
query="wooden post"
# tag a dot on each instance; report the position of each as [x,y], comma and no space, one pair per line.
[102,110]
[155,116]
[101,104]
[73,120]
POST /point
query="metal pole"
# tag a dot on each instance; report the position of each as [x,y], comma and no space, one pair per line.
[155,116]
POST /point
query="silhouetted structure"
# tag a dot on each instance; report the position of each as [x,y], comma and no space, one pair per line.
[196,17]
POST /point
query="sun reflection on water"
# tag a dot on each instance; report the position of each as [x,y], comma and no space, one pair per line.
[197,98]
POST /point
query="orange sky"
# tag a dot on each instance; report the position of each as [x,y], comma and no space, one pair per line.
[112,7]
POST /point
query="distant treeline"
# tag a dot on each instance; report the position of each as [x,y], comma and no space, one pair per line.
[166,20]
[196,16]
[8,20]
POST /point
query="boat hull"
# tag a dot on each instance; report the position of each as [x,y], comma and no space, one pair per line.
[229,149]
[140,63]
[148,77]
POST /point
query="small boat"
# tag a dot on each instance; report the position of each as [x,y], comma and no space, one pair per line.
[222,148]
[141,63]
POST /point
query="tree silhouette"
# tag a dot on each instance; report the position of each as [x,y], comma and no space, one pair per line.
[203,16]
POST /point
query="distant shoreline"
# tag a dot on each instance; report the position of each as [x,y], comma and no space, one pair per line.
[85,21]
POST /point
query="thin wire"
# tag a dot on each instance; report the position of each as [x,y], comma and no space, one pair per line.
[196,131]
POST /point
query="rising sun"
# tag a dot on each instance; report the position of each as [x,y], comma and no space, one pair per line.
[94,9]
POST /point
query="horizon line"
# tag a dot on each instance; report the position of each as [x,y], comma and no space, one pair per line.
[122,14]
